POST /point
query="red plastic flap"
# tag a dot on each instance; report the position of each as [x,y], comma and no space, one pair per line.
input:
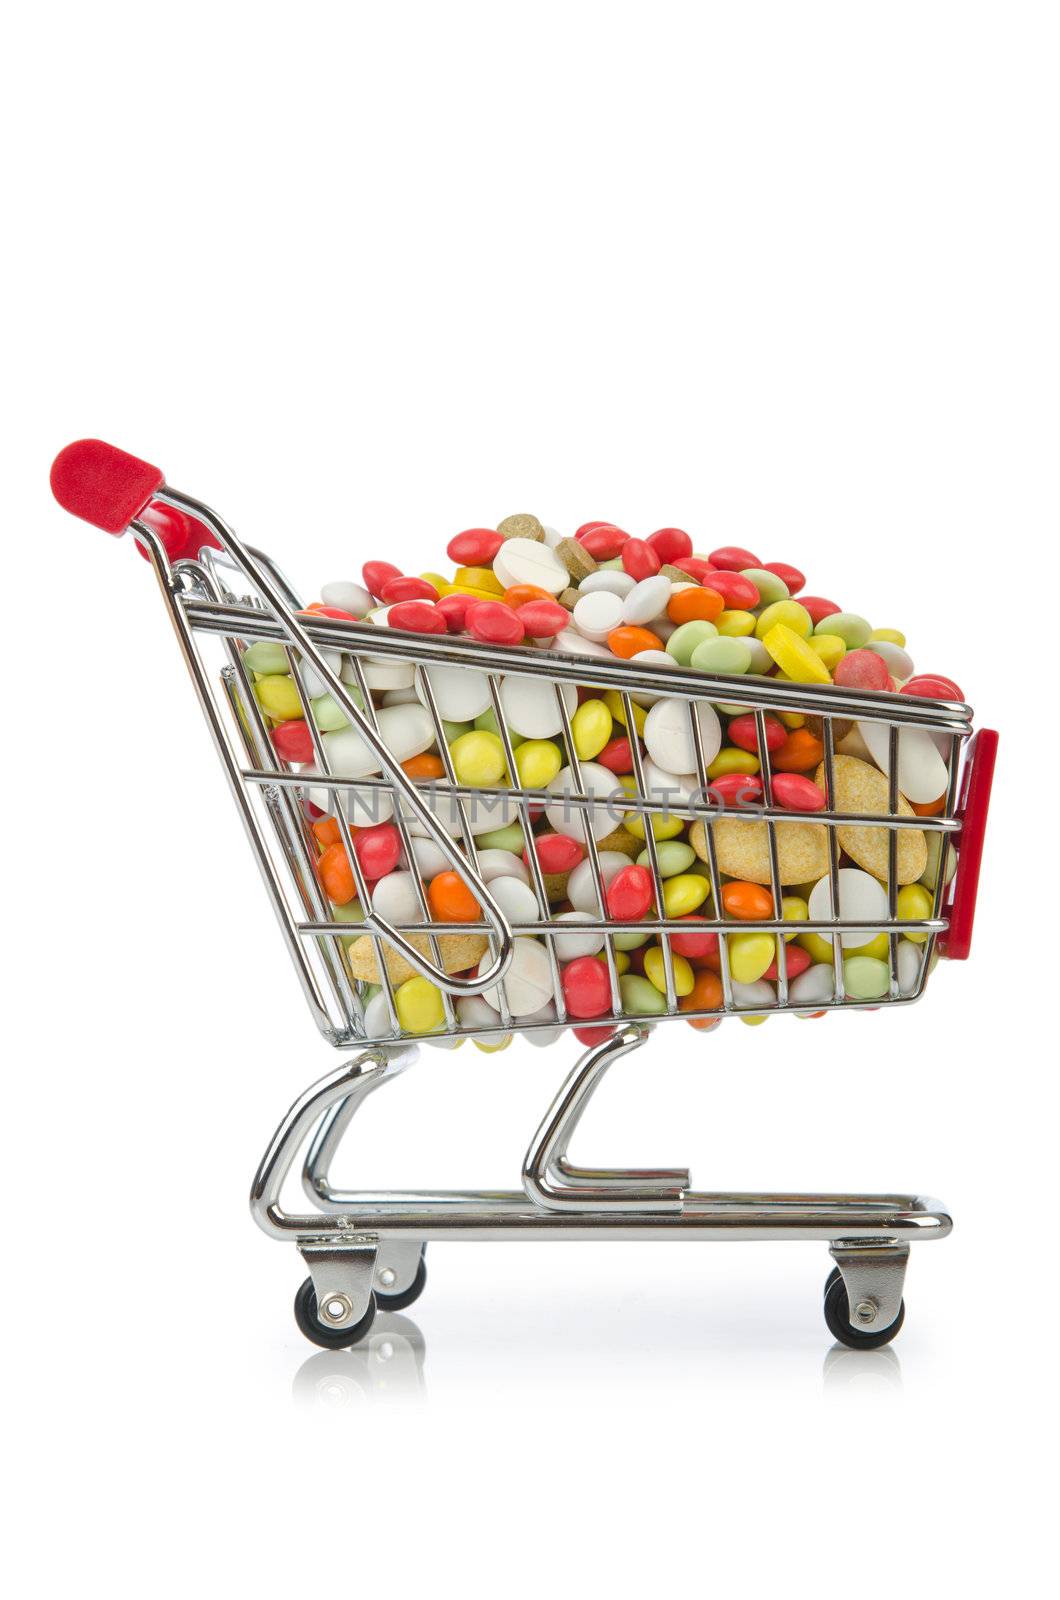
[972,807]
[103,485]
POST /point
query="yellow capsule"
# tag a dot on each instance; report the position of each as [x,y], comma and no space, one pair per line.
[684,893]
[794,616]
[794,657]
[889,636]
[655,972]
[591,726]
[735,624]
[750,954]
[819,947]
[278,697]
[794,909]
[537,762]
[419,1005]
[877,947]
[830,647]
[792,719]
[733,760]
[662,827]
[914,905]
[479,578]
[613,702]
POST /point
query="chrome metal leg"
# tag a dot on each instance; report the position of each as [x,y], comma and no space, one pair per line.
[343,1276]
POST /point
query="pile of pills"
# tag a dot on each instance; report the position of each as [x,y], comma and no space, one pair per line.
[594,759]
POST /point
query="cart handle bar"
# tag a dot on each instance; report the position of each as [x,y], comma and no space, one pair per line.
[109,488]
[972,807]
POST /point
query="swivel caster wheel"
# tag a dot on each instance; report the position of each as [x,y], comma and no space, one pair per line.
[837,1316]
[405,1297]
[307,1316]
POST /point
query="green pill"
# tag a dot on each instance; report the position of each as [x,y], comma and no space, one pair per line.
[508,838]
[770,587]
[866,978]
[674,856]
[685,639]
[640,997]
[721,655]
[852,629]
[266,656]
[327,715]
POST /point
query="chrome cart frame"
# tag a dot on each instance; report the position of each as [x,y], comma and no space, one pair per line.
[366,1248]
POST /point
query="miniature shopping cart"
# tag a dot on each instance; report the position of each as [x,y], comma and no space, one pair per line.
[365,1250]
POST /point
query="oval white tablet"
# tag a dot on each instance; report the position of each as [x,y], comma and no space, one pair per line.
[812,987]
[501,864]
[862,898]
[532,709]
[922,772]
[569,946]
[347,597]
[610,582]
[460,693]
[571,643]
[516,899]
[569,817]
[668,734]
[596,614]
[394,898]
[581,891]
[647,600]
[529,561]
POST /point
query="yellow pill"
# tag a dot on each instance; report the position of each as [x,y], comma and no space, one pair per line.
[278,697]
[419,1005]
[491,1047]
[792,719]
[733,760]
[789,612]
[479,578]
[878,948]
[621,961]
[819,947]
[794,656]
[794,909]
[753,1022]
[830,647]
[684,893]
[914,905]
[436,580]
[537,762]
[889,636]
[467,588]
[591,726]
[655,972]
[750,954]
[662,826]
[735,624]
[613,702]
[478,758]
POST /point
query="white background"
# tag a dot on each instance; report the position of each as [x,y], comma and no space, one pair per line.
[361,276]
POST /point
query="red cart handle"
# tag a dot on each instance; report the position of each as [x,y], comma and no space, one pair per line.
[972,807]
[109,488]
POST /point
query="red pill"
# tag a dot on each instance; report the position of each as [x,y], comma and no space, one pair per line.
[292,741]
[730,558]
[862,669]
[932,686]
[629,894]
[736,789]
[556,853]
[603,542]
[798,960]
[639,559]
[587,527]
[743,732]
[791,576]
[416,616]
[696,567]
[617,756]
[818,608]
[588,1036]
[454,608]
[475,547]
[738,592]
[795,793]
[694,946]
[377,574]
[494,623]
[378,849]
[586,987]
[543,619]
[408,589]
[330,611]
[670,543]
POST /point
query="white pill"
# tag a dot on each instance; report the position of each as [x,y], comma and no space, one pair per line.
[609,582]
[862,899]
[761,660]
[899,662]
[429,856]
[313,683]
[394,898]
[528,981]
[922,774]
[400,697]
[473,1011]
[581,890]
[532,709]
[380,673]
[668,734]
[569,946]
[596,614]
[378,1023]
[658,657]
[672,789]
[647,600]
[909,958]
[529,561]
[516,899]
[572,643]
[568,817]
[812,987]
[347,597]
[405,730]
[552,536]
[501,864]
[756,997]
[483,812]
[542,1037]
[363,807]
[460,693]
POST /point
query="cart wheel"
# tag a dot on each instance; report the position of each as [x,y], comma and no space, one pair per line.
[837,1316]
[307,1318]
[398,1302]
[833,1277]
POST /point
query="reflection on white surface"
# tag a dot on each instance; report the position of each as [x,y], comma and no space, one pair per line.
[386,1368]
[862,1371]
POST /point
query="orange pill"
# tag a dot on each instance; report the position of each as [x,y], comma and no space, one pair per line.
[706,993]
[520,594]
[695,605]
[628,641]
[800,751]
[326,831]
[424,766]
[451,900]
[747,901]
[929,808]
[336,875]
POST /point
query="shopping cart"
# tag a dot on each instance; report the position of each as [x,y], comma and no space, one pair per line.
[366,1249]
